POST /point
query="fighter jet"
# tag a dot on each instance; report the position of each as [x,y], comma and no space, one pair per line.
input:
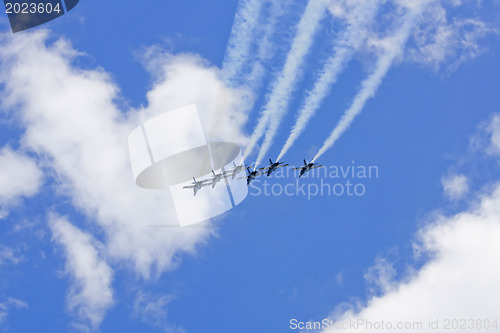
[237,169]
[273,166]
[197,185]
[252,175]
[307,167]
[217,178]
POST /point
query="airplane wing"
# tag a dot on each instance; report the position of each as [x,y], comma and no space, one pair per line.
[297,168]
[189,186]
[282,165]
[317,166]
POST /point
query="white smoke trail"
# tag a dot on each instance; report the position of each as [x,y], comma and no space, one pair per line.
[359,19]
[238,50]
[284,84]
[369,86]
[242,35]
[265,50]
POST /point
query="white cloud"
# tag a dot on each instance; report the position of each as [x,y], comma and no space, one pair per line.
[380,276]
[7,305]
[72,122]
[459,281]
[339,278]
[492,129]
[19,177]
[455,186]
[440,40]
[486,139]
[151,309]
[7,254]
[188,79]
[90,294]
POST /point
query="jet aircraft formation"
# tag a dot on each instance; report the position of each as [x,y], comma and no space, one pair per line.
[251,174]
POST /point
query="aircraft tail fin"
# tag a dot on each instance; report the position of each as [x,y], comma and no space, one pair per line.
[305,163]
[270,161]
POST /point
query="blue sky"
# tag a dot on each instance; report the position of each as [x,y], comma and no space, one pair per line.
[77,252]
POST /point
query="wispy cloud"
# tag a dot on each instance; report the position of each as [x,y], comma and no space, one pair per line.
[380,277]
[455,186]
[19,177]
[8,254]
[393,47]
[152,309]
[359,16]
[441,41]
[282,88]
[488,137]
[91,293]
[10,303]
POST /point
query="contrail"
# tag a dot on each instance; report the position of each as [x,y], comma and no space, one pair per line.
[265,50]
[284,85]
[242,35]
[370,84]
[238,51]
[347,43]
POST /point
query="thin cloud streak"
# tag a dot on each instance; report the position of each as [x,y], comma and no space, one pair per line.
[344,47]
[370,85]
